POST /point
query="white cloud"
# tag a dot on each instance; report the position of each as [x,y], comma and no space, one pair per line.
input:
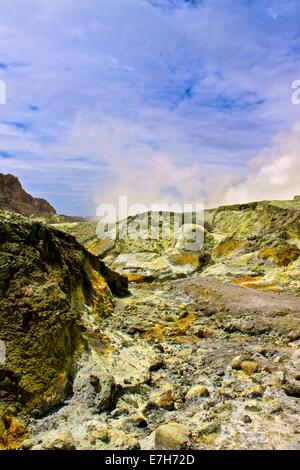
[139,99]
[274,174]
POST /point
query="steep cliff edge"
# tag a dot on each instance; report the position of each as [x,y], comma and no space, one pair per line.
[14,198]
[208,361]
[256,244]
[53,297]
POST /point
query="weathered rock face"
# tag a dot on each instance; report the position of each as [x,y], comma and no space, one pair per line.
[14,198]
[53,297]
[194,363]
[256,245]
[148,246]
[171,436]
[187,364]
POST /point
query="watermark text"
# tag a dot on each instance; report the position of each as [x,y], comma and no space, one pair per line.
[296,94]
[158,221]
[2,353]
[2,92]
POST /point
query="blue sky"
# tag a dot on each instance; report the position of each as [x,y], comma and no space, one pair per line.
[172,100]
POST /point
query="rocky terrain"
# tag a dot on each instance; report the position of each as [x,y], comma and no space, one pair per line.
[256,244]
[14,198]
[53,296]
[196,364]
[202,352]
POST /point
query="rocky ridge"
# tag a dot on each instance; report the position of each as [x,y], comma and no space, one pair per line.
[204,353]
[196,363]
[255,244]
[53,297]
[14,198]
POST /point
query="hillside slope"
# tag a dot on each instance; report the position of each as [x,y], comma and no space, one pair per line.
[53,297]
[14,198]
[257,244]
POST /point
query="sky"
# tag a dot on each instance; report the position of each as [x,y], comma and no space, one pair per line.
[161,100]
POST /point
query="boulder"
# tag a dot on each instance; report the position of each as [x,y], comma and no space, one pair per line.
[208,428]
[172,436]
[100,434]
[250,367]
[164,398]
[50,290]
[236,363]
[61,442]
[199,391]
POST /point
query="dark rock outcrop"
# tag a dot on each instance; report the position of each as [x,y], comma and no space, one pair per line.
[14,198]
[51,290]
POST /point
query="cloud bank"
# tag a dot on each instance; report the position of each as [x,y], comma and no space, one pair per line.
[275,174]
[161,99]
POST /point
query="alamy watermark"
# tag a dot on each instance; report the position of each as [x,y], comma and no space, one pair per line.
[2,353]
[2,92]
[296,94]
[183,222]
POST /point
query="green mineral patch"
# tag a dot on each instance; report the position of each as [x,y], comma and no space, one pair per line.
[48,281]
[281,254]
[227,247]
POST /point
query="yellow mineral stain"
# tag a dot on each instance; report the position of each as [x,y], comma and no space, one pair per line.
[252,283]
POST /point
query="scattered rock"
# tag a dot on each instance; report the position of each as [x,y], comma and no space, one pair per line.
[128,348]
[280,377]
[254,391]
[208,428]
[199,391]
[292,389]
[236,363]
[61,442]
[172,436]
[275,407]
[249,367]
[3,434]
[253,406]
[185,353]
[164,398]
[122,410]
[12,433]
[138,420]
[247,419]
[268,447]
[120,440]
[100,434]
[226,393]
[26,444]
